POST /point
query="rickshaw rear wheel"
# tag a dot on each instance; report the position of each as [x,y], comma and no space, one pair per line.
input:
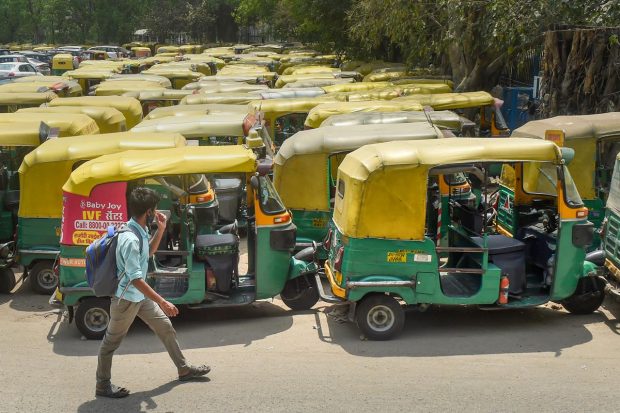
[43,279]
[300,293]
[92,317]
[380,317]
[587,298]
[7,280]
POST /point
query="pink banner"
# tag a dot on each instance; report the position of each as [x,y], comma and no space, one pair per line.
[86,218]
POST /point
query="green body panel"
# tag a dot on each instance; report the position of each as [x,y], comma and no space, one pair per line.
[596,215]
[311,225]
[272,267]
[6,226]
[505,211]
[72,276]
[612,237]
[42,234]
[569,262]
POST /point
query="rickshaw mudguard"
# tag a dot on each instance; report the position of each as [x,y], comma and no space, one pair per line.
[298,268]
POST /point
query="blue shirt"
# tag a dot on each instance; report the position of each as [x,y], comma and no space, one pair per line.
[130,263]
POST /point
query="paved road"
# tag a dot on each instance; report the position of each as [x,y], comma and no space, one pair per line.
[266,358]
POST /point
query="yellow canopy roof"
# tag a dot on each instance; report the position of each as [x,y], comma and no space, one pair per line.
[393,176]
[355,87]
[168,49]
[163,94]
[302,160]
[317,83]
[174,73]
[70,124]
[304,70]
[53,161]
[184,110]
[196,126]
[20,134]
[89,73]
[130,165]
[281,106]
[228,98]
[284,79]
[448,101]
[129,107]
[321,112]
[23,88]
[141,77]
[230,87]
[443,119]
[26,98]
[108,120]
[121,86]
[575,127]
[55,85]
[39,79]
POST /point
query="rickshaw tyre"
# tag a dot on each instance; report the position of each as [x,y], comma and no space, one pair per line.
[7,280]
[582,305]
[373,302]
[33,275]
[300,300]
[81,312]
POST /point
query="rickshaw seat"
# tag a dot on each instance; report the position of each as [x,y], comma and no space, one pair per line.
[509,255]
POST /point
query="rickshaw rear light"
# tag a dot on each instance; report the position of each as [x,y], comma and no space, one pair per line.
[282,219]
[208,197]
[327,242]
[582,212]
[338,261]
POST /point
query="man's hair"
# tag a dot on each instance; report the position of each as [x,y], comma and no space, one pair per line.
[141,200]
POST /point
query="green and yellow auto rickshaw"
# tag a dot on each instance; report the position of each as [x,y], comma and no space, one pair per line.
[89,77]
[480,107]
[109,120]
[380,254]
[153,99]
[443,119]
[140,52]
[120,87]
[306,165]
[11,102]
[185,110]
[62,63]
[40,206]
[68,124]
[141,77]
[129,107]
[179,77]
[319,113]
[611,234]
[596,142]
[207,273]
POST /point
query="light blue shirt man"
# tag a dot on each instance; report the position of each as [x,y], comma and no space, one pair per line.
[131,264]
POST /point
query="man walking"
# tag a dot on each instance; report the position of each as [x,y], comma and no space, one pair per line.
[134,297]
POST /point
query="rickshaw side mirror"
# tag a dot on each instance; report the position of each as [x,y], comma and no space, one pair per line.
[568,154]
[254,182]
[264,167]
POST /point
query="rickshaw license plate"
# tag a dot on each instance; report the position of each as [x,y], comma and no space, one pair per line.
[398,256]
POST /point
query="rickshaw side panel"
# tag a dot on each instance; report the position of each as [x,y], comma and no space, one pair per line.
[311,225]
[272,266]
[571,266]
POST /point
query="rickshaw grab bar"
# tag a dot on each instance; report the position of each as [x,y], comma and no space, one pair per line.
[363,284]
[460,249]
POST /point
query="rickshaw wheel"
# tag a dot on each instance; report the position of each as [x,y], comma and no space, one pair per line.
[587,298]
[380,317]
[92,317]
[43,279]
[300,293]
[7,280]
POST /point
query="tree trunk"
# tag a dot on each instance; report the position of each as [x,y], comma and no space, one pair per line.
[580,72]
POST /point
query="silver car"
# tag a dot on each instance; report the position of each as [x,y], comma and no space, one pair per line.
[11,70]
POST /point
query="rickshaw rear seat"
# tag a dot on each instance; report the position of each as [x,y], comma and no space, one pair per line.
[509,255]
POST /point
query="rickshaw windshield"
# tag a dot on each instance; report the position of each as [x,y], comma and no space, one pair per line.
[542,178]
[456,179]
[270,202]
[613,201]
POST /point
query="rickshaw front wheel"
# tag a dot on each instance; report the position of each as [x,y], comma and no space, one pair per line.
[43,279]
[7,280]
[587,298]
[300,293]
[380,317]
[92,317]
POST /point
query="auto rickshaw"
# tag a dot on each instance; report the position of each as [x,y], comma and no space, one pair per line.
[480,107]
[62,87]
[168,49]
[611,235]
[154,99]
[206,274]
[310,159]
[596,142]
[221,98]
[443,119]
[290,93]
[129,107]
[367,86]
[318,114]
[178,77]
[140,52]
[141,77]
[88,77]
[40,206]
[120,87]
[69,124]
[11,102]
[185,110]
[226,87]
[109,120]
[381,256]
[62,63]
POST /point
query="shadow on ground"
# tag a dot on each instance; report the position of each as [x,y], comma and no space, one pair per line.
[195,329]
[452,331]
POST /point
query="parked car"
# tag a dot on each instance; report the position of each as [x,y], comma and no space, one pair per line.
[41,67]
[41,57]
[13,58]
[10,70]
[4,52]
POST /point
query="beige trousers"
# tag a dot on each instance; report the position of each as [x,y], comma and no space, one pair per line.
[122,315]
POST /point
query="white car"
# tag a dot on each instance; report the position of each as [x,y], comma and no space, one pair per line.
[10,70]
[40,67]
[13,58]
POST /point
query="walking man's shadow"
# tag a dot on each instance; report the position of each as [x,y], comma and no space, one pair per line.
[134,402]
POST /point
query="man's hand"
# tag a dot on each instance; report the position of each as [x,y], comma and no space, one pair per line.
[168,308]
[161,221]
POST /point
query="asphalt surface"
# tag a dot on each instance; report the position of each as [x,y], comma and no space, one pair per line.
[266,358]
